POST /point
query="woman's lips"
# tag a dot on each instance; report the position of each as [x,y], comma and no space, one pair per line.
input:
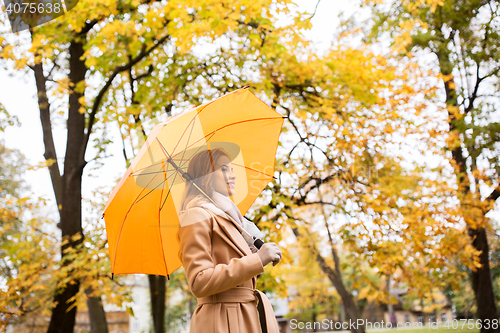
[230,184]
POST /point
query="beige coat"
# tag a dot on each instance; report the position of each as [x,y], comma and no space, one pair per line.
[221,272]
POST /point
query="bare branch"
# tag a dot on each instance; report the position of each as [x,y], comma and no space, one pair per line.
[315,9]
[495,194]
[48,139]
[97,102]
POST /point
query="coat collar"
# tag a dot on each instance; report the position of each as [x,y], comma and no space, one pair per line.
[235,239]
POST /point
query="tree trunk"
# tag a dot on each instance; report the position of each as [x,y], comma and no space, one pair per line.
[481,282]
[350,306]
[63,319]
[335,276]
[157,291]
[481,277]
[97,316]
[95,306]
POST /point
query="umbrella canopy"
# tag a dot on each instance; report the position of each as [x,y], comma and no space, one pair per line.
[141,214]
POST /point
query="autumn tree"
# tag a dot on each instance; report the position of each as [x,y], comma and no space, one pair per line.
[462,38]
[343,173]
[24,267]
[27,263]
[30,265]
[311,295]
[126,61]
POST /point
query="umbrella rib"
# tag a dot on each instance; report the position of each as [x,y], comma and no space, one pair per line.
[187,141]
[236,123]
[123,223]
[192,127]
[169,190]
[156,172]
[183,163]
[166,152]
[157,163]
[176,173]
[247,121]
[244,166]
[182,158]
[163,182]
[159,227]
[154,188]
[173,151]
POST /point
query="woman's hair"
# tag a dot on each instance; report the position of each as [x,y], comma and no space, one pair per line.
[199,169]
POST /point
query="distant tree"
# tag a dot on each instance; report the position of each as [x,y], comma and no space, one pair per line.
[26,250]
[463,39]
[311,296]
[12,165]
[128,61]
[30,265]
[343,174]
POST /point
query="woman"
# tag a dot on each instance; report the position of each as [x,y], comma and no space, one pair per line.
[220,267]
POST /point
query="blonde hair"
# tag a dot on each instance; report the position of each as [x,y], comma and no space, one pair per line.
[199,169]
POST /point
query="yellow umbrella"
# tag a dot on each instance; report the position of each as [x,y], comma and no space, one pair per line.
[141,214]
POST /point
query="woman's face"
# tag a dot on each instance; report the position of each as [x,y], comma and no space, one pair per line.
[223,179]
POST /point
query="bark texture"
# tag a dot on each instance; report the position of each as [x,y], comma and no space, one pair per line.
[97,316]
[63,318]
[158,290]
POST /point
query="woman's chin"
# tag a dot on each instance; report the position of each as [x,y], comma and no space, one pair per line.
[226,193]
[230,194]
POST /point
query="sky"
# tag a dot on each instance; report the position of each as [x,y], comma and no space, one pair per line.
[18,96]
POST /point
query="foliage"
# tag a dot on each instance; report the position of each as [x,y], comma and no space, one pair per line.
[344,176]
[180,302]
[463,300]
[31,267]
[311,296]
[349,170]
[7,119]
[129,63]
[28,263]
[461,37]
[89,262]
[12,163]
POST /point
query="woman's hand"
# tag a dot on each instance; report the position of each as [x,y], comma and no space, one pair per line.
[269,252]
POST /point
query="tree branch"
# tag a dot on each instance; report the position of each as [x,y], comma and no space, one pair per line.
[48,139]
[495,194]
[97,102]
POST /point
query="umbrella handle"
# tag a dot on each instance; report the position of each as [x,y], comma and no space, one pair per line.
[257,242]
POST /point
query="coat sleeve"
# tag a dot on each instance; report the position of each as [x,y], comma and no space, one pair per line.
[204,277]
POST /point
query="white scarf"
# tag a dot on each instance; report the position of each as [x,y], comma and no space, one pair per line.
[232,210]
[227,205]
